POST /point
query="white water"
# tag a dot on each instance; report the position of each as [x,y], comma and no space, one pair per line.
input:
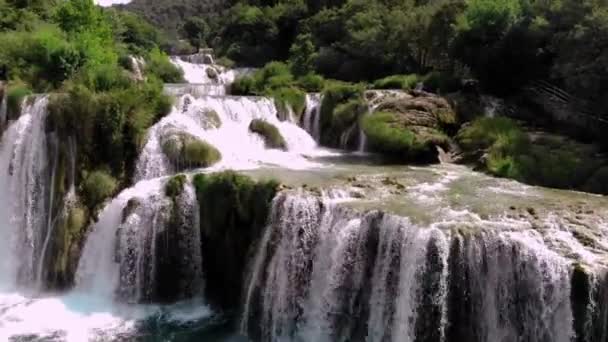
[240,148]
[315,285]
[198,74]
[312,116]
[23,192]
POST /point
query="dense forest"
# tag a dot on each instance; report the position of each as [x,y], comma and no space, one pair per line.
[505,44]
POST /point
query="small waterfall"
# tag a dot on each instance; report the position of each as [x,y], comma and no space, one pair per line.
[192,115]
[145,247]
[312,116]
[326,273]
[24,194]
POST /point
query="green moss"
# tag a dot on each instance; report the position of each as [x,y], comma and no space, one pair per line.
[346,114]
[97,187]
[186,151]
[540,159]
[233,211]
[405,82]
[311,83]
[270,133]
[334,94]
[387,135]
[15,95]
[289,97]
[175,186]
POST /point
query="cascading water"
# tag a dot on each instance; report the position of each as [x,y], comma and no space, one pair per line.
[209,79]
[240,148]
[312,116]
[325,273]
[25,184]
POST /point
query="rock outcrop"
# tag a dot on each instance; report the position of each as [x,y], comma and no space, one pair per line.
[409,128]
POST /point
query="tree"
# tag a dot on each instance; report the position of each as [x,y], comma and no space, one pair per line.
[303,55]
[196,31]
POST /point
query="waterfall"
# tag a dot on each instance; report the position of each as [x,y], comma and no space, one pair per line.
[24,191]
[213,77]
[312,116]
[326,273]
[240,149]
[145,247]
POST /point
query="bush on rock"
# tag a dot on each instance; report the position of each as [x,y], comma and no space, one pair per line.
[269,132]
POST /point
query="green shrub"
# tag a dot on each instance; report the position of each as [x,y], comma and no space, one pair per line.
[175,186]
[243,86]
[396,140]
[290,97]
[271,135]
[348,113]
[97,187]
[405,82]
[225,62]
[15,95]
[335,93]
[547,160]
[158,64]
[311,83]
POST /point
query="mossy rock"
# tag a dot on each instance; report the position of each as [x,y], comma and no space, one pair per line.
[388,134]
[65,248]
[186,151]
[269,132]
[97,187]
[423,109]
[210,119]
[212,73]
[334,95]
[289,98]
[175,186]
[234,210]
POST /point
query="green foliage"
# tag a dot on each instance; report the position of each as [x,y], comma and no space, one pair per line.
[302,55]
[15,95]
[196,31]
[334,94]
[158,64]
[175,186]
[546,160]
[186,151]
[348,113]
[233,211]
[289,98]
[97,187]
[311,83]
[269,132]
[388,135]
[405,82]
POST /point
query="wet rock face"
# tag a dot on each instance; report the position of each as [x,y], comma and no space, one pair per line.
[422,109]
[233,212]
[158,248]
